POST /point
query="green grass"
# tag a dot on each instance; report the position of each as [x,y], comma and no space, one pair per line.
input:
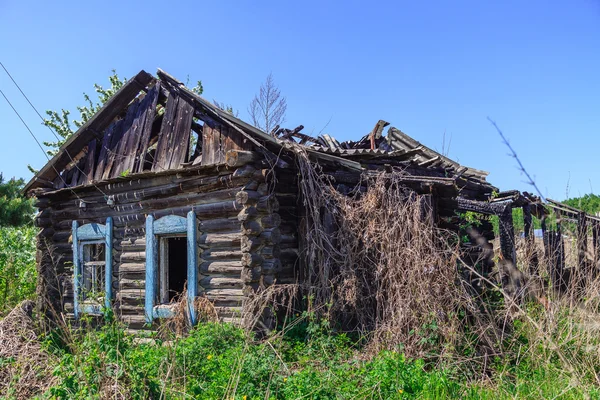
[18,274]
[220,361]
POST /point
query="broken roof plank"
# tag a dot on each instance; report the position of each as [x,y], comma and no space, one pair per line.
[89,130]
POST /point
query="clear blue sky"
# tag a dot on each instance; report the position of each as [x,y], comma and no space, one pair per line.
[428,67]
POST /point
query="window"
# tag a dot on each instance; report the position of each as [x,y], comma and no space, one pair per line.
[172,268]
[93,272]
[92,267]
[171,264]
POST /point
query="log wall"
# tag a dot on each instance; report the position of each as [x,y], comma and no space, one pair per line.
[238,238]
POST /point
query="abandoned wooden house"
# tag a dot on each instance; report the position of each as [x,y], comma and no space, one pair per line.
[162,194]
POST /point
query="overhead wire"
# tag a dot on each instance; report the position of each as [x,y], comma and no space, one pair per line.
[50,129]
[36,140]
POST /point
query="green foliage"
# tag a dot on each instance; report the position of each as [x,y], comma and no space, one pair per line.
[15,208]
[198,89]
[64,127]
[590,203]
[18,274]
[220,361]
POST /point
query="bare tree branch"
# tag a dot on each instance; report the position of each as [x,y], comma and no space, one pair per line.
[268,107]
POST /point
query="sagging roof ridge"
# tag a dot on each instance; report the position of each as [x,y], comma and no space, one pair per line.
[397,143]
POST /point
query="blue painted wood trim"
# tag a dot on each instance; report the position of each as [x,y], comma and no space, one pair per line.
[91,231]
[108,268]
[163,311]
[151,269]
[76,270]
[192,270]
[170,224]
[94,309]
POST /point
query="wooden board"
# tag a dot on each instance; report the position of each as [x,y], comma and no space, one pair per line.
[174,135]
[217,140]
[118,146]
[98,123]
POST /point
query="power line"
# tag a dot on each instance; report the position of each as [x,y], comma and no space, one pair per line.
[26,98]
[50,129]
[36,140]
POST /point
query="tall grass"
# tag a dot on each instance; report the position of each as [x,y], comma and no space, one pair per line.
[18,273]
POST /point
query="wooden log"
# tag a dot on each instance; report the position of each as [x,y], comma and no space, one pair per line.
[268,280]
[221,282]
[582,236]
[219,225]
[247,197]
[251,259]
[237,158]
[220,240]
[250,275]
[270,251]
[247,213]
[250,243]
[267,204]
[271,236]
[133,256]
[131,296]
[271,221]
[131,270]
[221,267]
[251,228]
[507,236]
[124,284]
[271,267]
[216,295]
[233,254]
[481,207]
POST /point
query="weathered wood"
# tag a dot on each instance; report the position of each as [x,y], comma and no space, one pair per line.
[219,225]
[251,228]
[220,240]
[221,267]
[146,130]
[250,243]
[271,266]
[530,240]
[221,282]
[250,275]
[507,236]
[271,221]
[481,207]
[271,236]
[269,252]
[267,204]
[97,123]
[247,213]
[251,259]
[117,150]
[247,197]
[232,253]
[582,237]
[237,158]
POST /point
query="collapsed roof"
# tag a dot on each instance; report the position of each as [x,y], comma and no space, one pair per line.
[150,123]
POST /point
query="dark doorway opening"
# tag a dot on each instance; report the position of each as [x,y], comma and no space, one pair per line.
[177,265]
[173,268]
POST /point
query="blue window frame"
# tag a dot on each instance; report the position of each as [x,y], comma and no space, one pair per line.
[165,227]
[91,275]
